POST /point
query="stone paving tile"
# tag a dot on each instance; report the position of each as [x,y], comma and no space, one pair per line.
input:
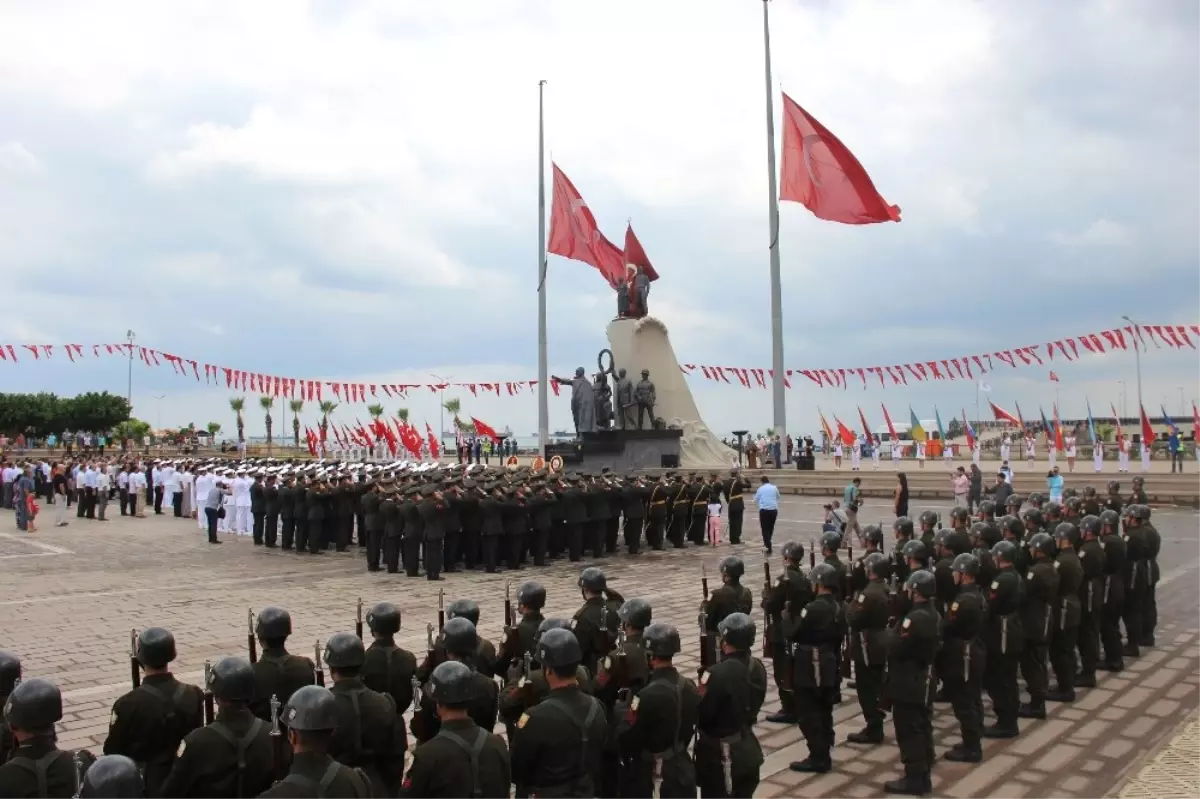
[68,615]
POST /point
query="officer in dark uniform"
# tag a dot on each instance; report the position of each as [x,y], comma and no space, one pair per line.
[867,617]
[731,597]
[872,537]
[461,643]
[1039,618]
[734,488]
[112,777]
[630,497]
[272,506]
[831,544]
[596,623]
[277,673]
[556,750]
[258,509]
[484,659]
[984,536]
[149,722]
[1013,530]
[681,509]
[31,711]
[622,672]
[373,522]
[314,523]
[519,640]
[911,650]
[525,687]
[986,511]
[1153,543]
[929,524]
[233,756]
[10,675]
[1138,496]
[1115,557]
[1072,509]
[1005,640]
[463,759]
[656,726]
[300,513]
[311,716]
[1091,502]
[388,668]
[820,627]
[432,510]
[1065,635]
[657,511]
[790,594]
[1037,499]
[598,512]
[1091,601]
[727,753]
[1137,581]
[902,531]
[287,511]
[391,521]
[964,658]
[370,733]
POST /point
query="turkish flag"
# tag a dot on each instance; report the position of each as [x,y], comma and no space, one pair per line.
[1002,415]
[820,173]
[1054,377]
[434,449]
[485,429]
[1147,430]
[574,233]
[634,254]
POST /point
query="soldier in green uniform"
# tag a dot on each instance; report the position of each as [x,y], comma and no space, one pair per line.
[911,650]
[233,756]
[987,511]
[149,722]
[622,672]
[596,622]
[816,638]
[867,617]
[1153,543]
[311,716]
[872,537]
[10,676]
[633,496]
[657,513]
[1013,529]
[526,683]
[31,711]
[734,488]
[1012,505]
[790,594]
[461,643]
[1091,501]
[902,532]
[731,597]
[519,639]
[964,659]
[1038,619]
[1065,636]
[258,508]
[484,657]
[113,777]
[727,752]
[277,673]
[388,668]
[370,733]
[301,500]
[556,750]
[314,525]
[1091,601]
[984,536]
[598,512]
[1137,581]
[287,511]
[373,522]
[930,524]
[1004,640]
[682,494]
[1115,557]
[540,504]
[271,509]
[655,727]
[463,759]
[1136,497]
[390,518]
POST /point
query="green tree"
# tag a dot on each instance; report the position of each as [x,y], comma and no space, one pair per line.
[266,403]
[327,407]
[295,406]
[213,428]
[133,429]
[402,415]
[376,412]
[44,413]
[238,404]
[453,406]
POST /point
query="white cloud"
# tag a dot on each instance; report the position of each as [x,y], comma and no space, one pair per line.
[1100,233]
[15,158]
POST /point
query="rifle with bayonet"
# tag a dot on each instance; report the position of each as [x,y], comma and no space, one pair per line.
[707,654]
[278,741]
[358,620]
[511,644]
[209,712]
[251,641]
[319,673]
[135,665]
[441,609]
[768,648]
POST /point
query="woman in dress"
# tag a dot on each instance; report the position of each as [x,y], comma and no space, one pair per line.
[900,496]
[1054,482]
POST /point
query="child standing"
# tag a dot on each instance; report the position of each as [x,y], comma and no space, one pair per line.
[714,520]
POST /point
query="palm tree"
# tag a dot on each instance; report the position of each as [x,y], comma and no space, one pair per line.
[402,415]
[213,428]
[266,403]
[452,406]
[376,412]
[327,407]
[237,404]
[296,406]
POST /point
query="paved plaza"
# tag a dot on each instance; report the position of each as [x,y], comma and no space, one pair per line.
[71,596]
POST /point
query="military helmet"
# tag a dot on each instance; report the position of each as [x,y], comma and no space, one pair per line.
[1013,526]
[155,647]
[1036,498]
[1139,480]
[312,707]
[793,551]
[987,508]
[1014,501]
[991,533]
[33,705]
[915,550]
[923,582]
[344,651]
[273,622]
[737,630]
[532,595]
[463,609]
[966,563]
[1113,486]
[928,518]
[10,672]
[452,684]
[1033,516]
[831,541]
[1089,491]
[1053,510]
[877,564]
[384,619]
[904,526]
[661,640]
[459,637]
[1109,518]
[551,624]
[558,649]
[942,538]
[977,531]
[1073,505]
[1070,492]
[112,777]
[1067,532]
[1089,524]
[233,680]
[825,574]
[1041,542]
[1005,550]
[959,542]
[960,514]
[733,568]
[592,579]
[873,535]
[1141,512]
[636,613]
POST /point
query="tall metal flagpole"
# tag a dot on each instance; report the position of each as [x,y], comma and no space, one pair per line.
[543,369]
[777,384]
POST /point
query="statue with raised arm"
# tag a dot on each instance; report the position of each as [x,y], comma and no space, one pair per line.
[583,401]
[644,394]
[624,400]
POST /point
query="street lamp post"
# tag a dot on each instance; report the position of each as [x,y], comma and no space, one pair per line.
[1182,405]
[158,412]
[1124,409]
[129,337]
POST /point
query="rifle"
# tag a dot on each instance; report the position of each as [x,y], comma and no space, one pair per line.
[417,725]
[812,554]
[209,714]
[704,581]
[277,740]
[358,630]
[705,652]
[318,671]
[441,611]
[135,667]
[512,639]
[251,642]
[77,760]
[768,648]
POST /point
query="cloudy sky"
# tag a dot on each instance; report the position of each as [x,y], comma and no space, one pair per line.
[346,189]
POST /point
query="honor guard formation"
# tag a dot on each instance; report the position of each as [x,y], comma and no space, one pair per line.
[592,704]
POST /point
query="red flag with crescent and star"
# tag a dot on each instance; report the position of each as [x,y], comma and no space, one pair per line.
[574,233]
[821,173]
[635,255]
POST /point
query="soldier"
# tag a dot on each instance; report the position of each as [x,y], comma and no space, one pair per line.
[463,759]
[526,686]
[287,511]
[727,752]
[232,756]
[1038,620]
[373,522]
[370,733]
[540,505]
[867,617]
[390,517]
[433,511]
[37,767]
[984,536]
[1004,641]
[598,512]
[519,639]
[311,716]
[654,729]
[731,597]
[484,657]
[414,530]
[300,500]
[1091,601]
[1091,501]
[734,488]
[1137,581]
[902,532]
[150,722]
[681,510]
[388,669]
[595,624]
[557,747]
[872,537]
[1115,556]
[911,650]
[461,643]
[816,639]
[987,511]
[622,673]
[790,594]
[1153,544]
[657,512]
[1012,505]
[1138,497]
[277,673]
[1066,633]
[112,776]
[10,676]
[831,544]
[1013,530]
[272,505]
[258,508]
[965,658]
[314,519]
[930,524]
[632,497]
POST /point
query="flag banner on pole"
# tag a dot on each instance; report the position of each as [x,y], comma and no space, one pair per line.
[916,432]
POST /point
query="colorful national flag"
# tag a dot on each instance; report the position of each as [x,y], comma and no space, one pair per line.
[820,173]
[941,430]
[1020,418]
[574,233]
[866,427]
[844,433]
[916,432]
[1167,419]
[1046,426]
[485,429]
[1002,415]
[970,430]
[634,254]
[1054,378]
[1147,430]
[825,427]
[434,448]
[1058,431]
[1091,423]
[1117,419]
[888,420]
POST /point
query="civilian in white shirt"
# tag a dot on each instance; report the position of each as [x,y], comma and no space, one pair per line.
[1145,456]
[158,478]
[137,493]
[87,493]
[897,450]
[1005,448]
[1123,455]
[123,490]
[171,481]
[976,452]
[241,503]
[920,454]
[875,453]
[1030,451]
[948,454]
[856,454]
[1098,455]
[1069,446]
[186,478]
[201,486]
[9,474]
[837,455]
[103,484]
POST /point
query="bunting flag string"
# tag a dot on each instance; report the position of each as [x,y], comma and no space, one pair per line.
[962,367]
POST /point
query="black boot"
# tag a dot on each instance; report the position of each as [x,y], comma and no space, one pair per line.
[865,736]
[1147,641]
[1130,650]
[1113,666]
[998,731]
[1032,710]
[960,753]
[782,717]
[1085,680]
[812,766]
[1061,694]
[913,786]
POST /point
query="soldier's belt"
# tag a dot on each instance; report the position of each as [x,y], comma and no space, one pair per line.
[659,502]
